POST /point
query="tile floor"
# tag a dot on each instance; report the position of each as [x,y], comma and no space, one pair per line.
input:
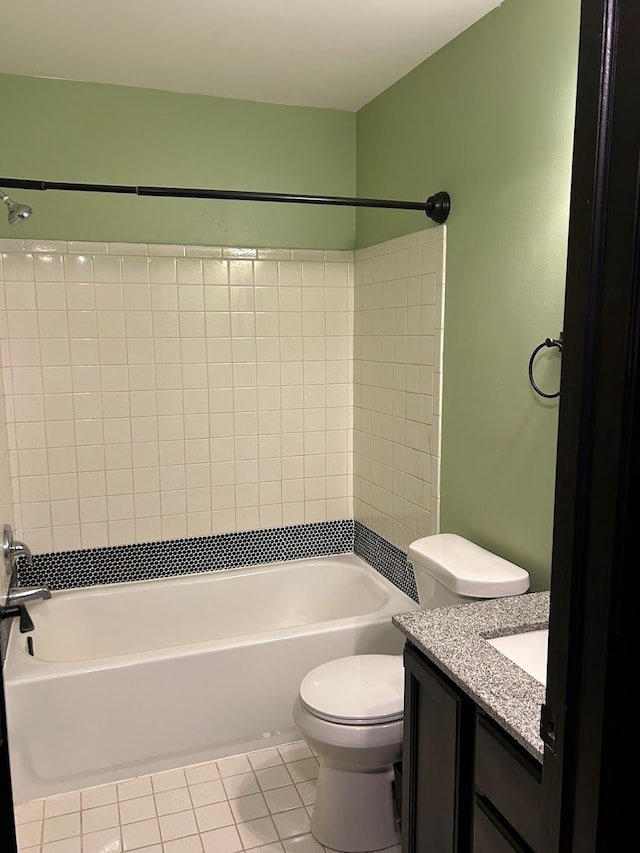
[259,801]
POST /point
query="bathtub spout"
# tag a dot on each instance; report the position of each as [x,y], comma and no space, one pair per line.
[20,595]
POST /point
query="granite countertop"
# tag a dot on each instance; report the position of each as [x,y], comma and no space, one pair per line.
[454,638]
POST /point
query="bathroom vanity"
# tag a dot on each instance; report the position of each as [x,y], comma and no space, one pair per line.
[472,755]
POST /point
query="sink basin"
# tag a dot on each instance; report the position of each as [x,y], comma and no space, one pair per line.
[528,651]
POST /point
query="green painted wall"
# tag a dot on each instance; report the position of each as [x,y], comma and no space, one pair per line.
[66,131]
[490,119]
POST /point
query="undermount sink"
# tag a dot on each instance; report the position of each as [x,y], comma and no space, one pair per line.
[528,651]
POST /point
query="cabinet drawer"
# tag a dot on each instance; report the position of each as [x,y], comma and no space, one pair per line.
[490,835]
[510,779]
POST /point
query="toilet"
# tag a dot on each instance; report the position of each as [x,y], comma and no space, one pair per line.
[350,710]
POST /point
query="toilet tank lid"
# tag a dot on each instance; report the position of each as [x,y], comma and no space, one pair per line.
[356,690]
[465,568]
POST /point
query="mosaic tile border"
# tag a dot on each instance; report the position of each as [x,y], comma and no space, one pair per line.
[385,558]
[168,558]
[172,557]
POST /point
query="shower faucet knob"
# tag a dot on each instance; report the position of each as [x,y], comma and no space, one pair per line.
[12,549]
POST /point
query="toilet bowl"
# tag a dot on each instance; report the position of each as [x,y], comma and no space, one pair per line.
[350,710]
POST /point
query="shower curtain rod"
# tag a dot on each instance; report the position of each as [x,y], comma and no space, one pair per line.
[437,206]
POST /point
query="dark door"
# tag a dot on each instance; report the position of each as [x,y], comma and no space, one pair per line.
[588,729]
[7,824]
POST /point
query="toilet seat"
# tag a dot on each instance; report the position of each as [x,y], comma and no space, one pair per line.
[356,690]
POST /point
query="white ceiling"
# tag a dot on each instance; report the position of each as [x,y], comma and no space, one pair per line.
[320,53]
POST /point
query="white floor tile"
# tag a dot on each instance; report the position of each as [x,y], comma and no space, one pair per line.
[169,780]
[204,793]
[225,840]
[102,817]
[259,802]
[214,816]
[64,826]
[248,808]
[62,804]
[104,841]
[294,822]
[241,785]
[302,771]
[302,844]
[131,788]
[178,825]
[202,773]
[141,834]
[29,834]
[234,765]
[28,812]
[264,758]
[153,848]
[141,808]
[282,799]
[170,802]
[190,844]
[307,791]
[257,833]
[65,845]
[273,777]
[295,751]
[99,796]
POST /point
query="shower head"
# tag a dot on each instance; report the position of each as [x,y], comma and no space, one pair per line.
[17,212]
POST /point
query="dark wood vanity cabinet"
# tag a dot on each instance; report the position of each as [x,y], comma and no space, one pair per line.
[437,761]
[467,786]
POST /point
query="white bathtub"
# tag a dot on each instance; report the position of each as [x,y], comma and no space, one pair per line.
[133,678]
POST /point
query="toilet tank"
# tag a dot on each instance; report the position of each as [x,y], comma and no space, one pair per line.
[452,570]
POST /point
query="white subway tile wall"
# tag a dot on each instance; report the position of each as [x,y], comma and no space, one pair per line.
[398,339]
[6,503]
[160,391]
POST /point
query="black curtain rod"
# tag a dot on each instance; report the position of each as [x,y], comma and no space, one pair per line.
[437,206]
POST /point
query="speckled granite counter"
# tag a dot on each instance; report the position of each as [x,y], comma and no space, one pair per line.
[454,638]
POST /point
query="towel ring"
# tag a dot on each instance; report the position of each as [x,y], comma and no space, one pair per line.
[548,342]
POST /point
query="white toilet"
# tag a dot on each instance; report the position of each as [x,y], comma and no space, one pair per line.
[350,710]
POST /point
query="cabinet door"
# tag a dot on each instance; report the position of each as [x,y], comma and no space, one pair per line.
[437,796]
